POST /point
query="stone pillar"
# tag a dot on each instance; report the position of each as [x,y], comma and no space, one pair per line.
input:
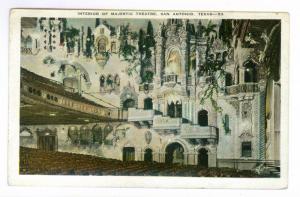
[155,156]
[191,159]
[185,158]
[158,60]
[242,75]
[212,157]
[139,154]
[143,156]
[162,156]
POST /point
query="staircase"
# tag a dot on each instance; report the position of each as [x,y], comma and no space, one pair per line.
[269,168]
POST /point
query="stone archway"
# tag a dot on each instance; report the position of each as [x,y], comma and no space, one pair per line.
[203,158]
[174,153]
[75,71]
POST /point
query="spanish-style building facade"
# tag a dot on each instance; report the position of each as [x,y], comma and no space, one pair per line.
[184,114]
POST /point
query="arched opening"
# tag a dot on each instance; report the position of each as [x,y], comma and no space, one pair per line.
[74,134]
[226,124]
[203,118]
[97,134]
[174,153]
[148,155]
[203,158]
[28,42]
[113,47]
[102,45]
[148,104]
[250,72]
[73,69]
[117,80]
[109,81]
[178,109]
[71,82]
[86,135]
[173,62]
[102,81]
[128,154]
[128,103]
[171,110]
[47,140]
[228,79]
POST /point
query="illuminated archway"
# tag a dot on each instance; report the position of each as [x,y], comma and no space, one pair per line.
[173,62]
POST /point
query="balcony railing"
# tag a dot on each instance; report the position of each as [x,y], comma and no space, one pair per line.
[162,122]
[170,79]
[189,131]
[26,51]
[140,115]
[146,87]
[242,88]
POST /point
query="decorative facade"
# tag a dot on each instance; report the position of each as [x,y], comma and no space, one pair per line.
[178,117]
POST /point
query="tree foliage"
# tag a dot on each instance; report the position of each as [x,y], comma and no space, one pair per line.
[89,43]
[146,44]
[225,31]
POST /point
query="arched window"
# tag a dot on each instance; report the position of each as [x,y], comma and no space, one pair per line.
[109,80]
[102,45]
[228,79]
[28,42]
[246,149]
[86,135]
[113,47]
[128,103]
[148,103]
[117,80]
[203,118]
[250,72]
[226,124]
[171,110]
[102,81]
[178,109]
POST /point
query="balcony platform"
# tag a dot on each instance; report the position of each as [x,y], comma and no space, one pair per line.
[137,115]
[242,88]
[189,131]
[166,122]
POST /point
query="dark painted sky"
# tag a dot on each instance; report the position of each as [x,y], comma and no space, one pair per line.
[135,24]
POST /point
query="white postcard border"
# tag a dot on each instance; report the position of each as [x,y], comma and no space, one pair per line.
[130,181]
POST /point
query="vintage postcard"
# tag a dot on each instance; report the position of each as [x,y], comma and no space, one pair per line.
[133,98]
